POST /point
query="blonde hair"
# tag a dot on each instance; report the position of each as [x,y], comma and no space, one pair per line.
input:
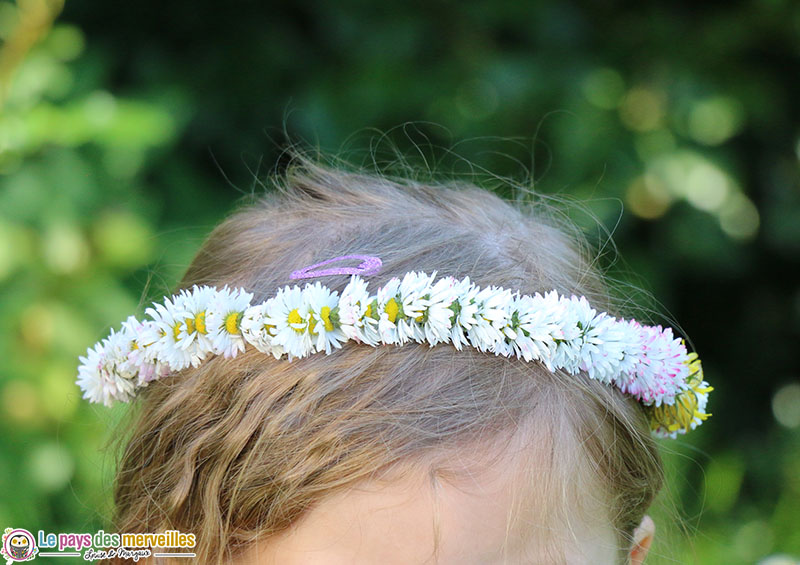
[237,450]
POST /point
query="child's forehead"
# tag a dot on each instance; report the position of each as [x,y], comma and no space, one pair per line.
[397,519]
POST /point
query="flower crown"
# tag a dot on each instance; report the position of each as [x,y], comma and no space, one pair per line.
[563,333]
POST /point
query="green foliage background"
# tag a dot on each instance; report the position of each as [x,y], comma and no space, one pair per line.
[128,130]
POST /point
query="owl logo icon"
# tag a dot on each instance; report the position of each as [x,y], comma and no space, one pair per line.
[18,545]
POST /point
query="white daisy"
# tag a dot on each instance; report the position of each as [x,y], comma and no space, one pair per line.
[413,289]
[463,311]
[104,374]
[389,307]
[289,312]
[597,341]
[536,319]
[224,319]
[358,313]
[90,379]
[323,322]
[603,348]
[492,317]
[505,346]
[258,333]
[193,333]
[437,317]
[141,354]
[555,314]
[575,316]
[629,341]
[168,319]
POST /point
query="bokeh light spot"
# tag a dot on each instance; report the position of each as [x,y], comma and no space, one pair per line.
[739,217]
[689,175]
[643,108]
[714,120]
[66,42]
[59,395]
[753,540]
[647,197]
[37,326]
[13,136]
[20,403]
[124,240]
[50,466]
[100,108]
[786,405]
[603,88]
[64,248]
[707,186]
[780,559]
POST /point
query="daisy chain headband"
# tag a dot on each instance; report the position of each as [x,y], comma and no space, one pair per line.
[645,362]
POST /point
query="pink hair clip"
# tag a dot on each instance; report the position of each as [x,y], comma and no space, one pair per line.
[370,265]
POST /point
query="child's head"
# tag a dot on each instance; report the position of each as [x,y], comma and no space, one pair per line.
[390,454]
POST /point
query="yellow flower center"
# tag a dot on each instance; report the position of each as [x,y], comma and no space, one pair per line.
[392,309]
[232,323]
[176,330]
[196,324]
[200,322]
[325,314]
[325,317]
[296,318]
[368,313]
